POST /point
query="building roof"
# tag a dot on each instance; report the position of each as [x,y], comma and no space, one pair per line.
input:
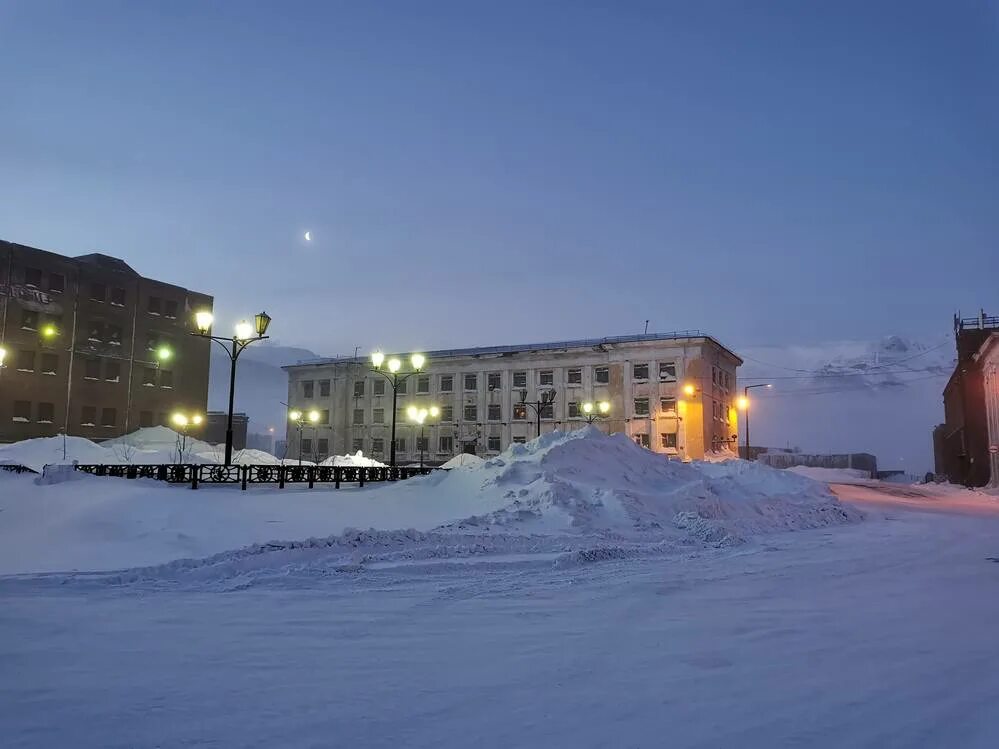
[608,341]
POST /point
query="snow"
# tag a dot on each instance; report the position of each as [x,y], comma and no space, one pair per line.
[462,459]
[357,460]
[832,475]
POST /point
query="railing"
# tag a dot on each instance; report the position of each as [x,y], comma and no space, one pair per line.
[244,475]
[12,468]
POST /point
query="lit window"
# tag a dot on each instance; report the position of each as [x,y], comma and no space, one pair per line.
[519,412]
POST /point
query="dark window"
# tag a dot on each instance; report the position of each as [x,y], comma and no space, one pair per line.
[642,439]
[601,375]
[324,388]
[108,417]
[96,333]
[548,411]
[447,413]
[50,363]
[88,416]
[166,378]
[170,308]
[145,418]
[519,412]
[33,277]
[112,371]
[22,411]
[324,445]
[471,382]
[359,388]
[377,445]
[447,383]
[46,413]
[57,283]
[575,376]
[641,406]
[25,361]
[403,387]
[377,387]
[495,412]
[471,413]
[667,372]
[519,440]
[546,377]
[358,415]
[98,292]
[148,376]
[423,384]
[113,333]
[378,416]
[446,444]
[494,380]
[400,445]
[520,379]
[573,410]
[29,319]
[493,444]
[308,389]
[357,444]
[640,371]
[668,440]
[118,297]
[306,445]
[92,369]
[154,305]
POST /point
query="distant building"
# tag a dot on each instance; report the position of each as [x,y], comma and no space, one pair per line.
[964,440]
[91,348]
[263,442]
[479,391]
[859,461]
[215,427]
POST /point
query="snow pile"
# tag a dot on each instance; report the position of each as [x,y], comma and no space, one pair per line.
[357,460]
[463,459]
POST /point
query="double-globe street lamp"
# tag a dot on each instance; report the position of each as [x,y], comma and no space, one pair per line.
[234,346]
[419,416]
[183,422]
[395,378]
[297,418]
[743,405]
[593,411]
[543,405]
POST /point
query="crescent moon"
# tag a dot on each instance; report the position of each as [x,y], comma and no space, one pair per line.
[308,236]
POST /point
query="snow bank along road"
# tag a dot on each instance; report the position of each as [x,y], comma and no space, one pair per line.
[879,633]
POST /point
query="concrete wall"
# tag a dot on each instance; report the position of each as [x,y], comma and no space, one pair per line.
[861,461]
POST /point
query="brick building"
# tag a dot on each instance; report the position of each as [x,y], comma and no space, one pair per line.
[91,347]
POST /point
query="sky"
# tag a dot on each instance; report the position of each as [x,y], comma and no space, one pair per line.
[486,173]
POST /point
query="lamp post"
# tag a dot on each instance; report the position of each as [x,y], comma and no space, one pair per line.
[395,378]
[182,421]
[593,411]
[299,419]
[419,416]
[743,405]
[242,337]
[545,400]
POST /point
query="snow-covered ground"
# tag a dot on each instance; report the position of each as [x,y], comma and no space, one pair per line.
[579,592]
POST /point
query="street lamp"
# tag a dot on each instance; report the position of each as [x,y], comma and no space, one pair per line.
[395,378]
[183,422]
[689,389]
[743,405]
[593,411]
[299,419]
[3,355]
[419,416]
[243,337]
[545,400]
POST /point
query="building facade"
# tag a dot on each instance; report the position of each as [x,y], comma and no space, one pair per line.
[479,393]
[93,349]
[987,359]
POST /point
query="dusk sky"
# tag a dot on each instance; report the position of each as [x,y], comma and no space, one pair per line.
[478,173]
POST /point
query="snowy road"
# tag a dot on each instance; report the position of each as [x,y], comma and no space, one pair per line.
[879,634]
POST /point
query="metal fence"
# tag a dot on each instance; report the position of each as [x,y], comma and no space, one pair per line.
[244,475]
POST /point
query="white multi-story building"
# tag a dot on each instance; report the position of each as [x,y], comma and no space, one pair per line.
[674,394]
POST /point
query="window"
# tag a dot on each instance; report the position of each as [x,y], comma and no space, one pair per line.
[400,414]
[573,409]
[495,412]
[166,378]
[96,333]
[108,417]
[50,363]
[308,388]
[92,369]
[118,297]
[494,380]
[324,388]
[667,405]
[402,387]
[357,444]
[377,445]
[642,440]
[306,445]
[358,415]
[148,377]
[471,382]
[667,371]
[668,440]
[447,383]
[447,413]
[378,416]
[546,377]
[601,375]
[519,412]
[574,376]
[113,333]
[324,446]
[641,406]
[154,305]
[400,444]
[519,440]
[22,411]
[46,413]
[548,411]
[88,416]
[145,418]
[29,320]
[57,283]
[493,444]
[112,371]
[33,277]
[640,371]
[423,444]
[359,388]
[324,416]
[25,361]
[446,444]
[423,384]
[471,412]
[152,340]
[520,379]
[170,308]
[98,292]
